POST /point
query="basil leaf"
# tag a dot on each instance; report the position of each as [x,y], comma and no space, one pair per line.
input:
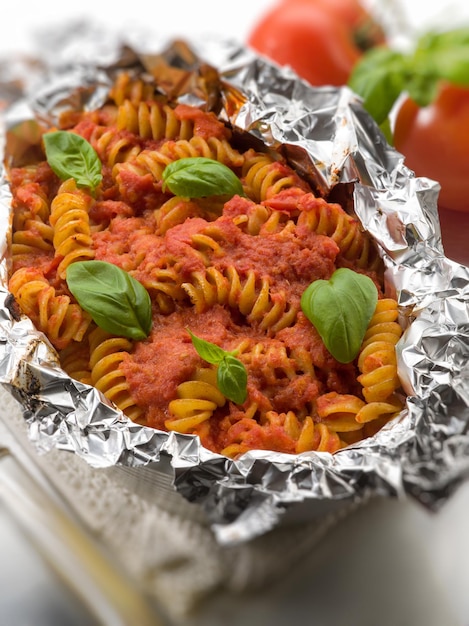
[379,78]
[197,177]
[445,54]
[423,88]
[341,309]
[232,379]
[232,376]
[209,352]
[115,300]
[439,56]
[71,156]
[382,74]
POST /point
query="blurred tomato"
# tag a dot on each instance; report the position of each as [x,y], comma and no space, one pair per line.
[435,142]
[366,31]
[321,40]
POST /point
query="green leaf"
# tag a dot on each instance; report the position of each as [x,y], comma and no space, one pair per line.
[197,177]
[379,78]
[232,379]
[340,309]
[231,373]
[71,156]
[434,44]
[209,352]
[439,56]
[383,74]
[423,88]
[115,300]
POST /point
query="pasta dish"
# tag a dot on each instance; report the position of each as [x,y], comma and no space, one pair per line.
[229,269]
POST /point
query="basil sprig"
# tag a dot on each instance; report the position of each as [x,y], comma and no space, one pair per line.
[232,376]
[115,300]
[71,156]
[340,309]
[382,74]
[198,177]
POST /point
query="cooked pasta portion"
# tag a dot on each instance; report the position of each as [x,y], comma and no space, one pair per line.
[62,320]
[231,268]
[71,229]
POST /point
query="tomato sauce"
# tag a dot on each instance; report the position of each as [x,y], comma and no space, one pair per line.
[232,282]
[290,258]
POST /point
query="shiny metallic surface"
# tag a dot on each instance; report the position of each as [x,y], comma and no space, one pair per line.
[325,132]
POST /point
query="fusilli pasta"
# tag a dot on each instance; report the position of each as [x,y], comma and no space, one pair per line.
[106,354]
[55,315]
[229,268]
[69,219]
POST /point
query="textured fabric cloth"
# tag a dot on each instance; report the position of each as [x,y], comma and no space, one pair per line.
[165,542]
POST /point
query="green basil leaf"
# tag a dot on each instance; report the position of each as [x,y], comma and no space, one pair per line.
[432,44]
[232,379]
[115,300]
[433,65]
[197,177]
[232,376]
[453,65]
[71,156]
[209,352]
[422,88]
[341,309]
[438,56]
[379,78]
[382,74]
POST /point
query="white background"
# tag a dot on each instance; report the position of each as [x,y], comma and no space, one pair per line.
[19,20]
[391,564]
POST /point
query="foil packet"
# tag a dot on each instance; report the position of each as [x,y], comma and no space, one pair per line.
[326,134]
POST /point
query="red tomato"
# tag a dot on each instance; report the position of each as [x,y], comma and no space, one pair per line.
[366,32]
[316,38]
[435,142]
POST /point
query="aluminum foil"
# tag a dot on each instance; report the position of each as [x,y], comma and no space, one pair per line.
[326,134]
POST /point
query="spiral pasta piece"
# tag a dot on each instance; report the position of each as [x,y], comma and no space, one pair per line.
[164,283]
[298,435]
[264,177]
[317,437]
[114,147]
[153,120]
[377,363]
[174,211]
[330,219]
[70,221]
[55,315]
[31,203]
[208,245]
[146,162]
[154,161]
[251,296]
[339,410]
[212,148]
[197,400]
[253,220]
[35,236]
[106,354]
[261,220]
[131,88]
[271,359]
